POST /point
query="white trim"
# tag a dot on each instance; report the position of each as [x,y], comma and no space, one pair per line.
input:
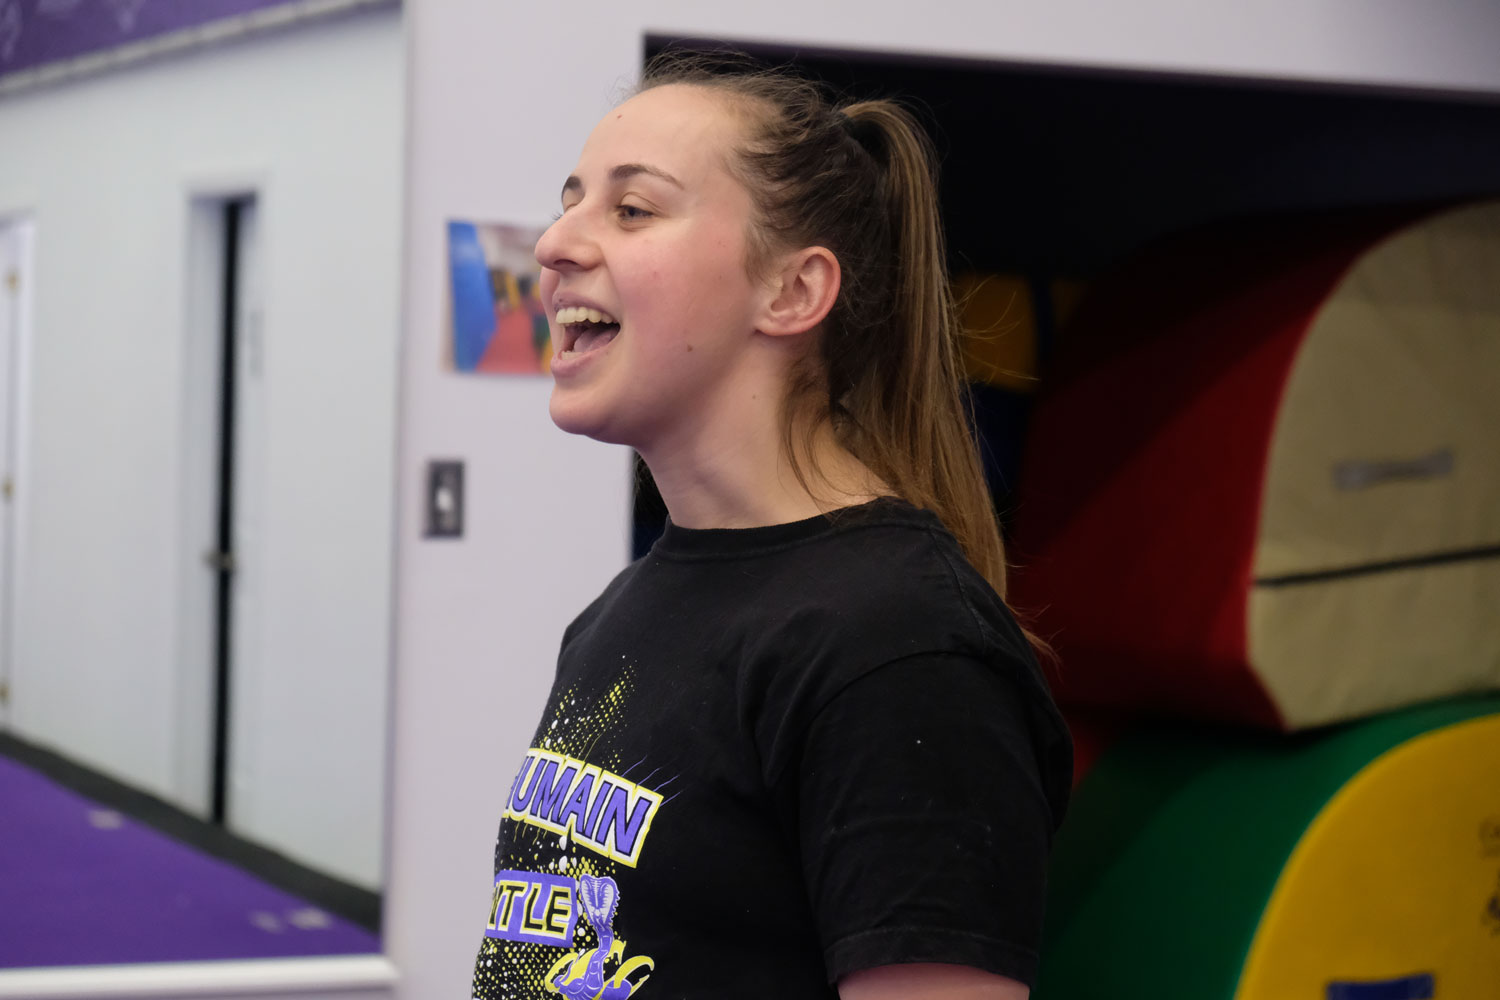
[21,231]
[227,183]
[250,538]
[341,973]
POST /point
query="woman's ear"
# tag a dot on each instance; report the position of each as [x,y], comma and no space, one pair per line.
[801,292]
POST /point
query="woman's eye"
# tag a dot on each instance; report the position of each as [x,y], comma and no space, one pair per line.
[631,213]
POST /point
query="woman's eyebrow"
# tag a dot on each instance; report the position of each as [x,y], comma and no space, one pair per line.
[623,172]
[628,170]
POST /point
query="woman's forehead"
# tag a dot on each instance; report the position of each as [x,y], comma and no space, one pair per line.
[682,129]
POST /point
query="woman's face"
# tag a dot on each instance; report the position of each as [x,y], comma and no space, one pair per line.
[653,238]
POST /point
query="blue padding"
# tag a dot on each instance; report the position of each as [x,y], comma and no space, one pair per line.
[473,296]
[1415,987]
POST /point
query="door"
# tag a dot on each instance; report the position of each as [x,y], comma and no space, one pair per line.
[222,421]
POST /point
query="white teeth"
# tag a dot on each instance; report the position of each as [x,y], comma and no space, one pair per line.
[582,314]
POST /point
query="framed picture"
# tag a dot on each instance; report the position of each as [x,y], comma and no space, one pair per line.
[497,322]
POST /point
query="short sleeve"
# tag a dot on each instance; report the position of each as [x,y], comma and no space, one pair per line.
[923,821]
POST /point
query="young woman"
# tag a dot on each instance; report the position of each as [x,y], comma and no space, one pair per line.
[801,749]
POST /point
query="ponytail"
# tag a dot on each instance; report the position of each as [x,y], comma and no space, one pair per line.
[860,180]
[910,424]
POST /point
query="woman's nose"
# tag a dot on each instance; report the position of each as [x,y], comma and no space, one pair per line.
[566,244]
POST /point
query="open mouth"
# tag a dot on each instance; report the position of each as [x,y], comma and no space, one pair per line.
[585,329]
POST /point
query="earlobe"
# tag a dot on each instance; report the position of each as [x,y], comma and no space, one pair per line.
[802,292]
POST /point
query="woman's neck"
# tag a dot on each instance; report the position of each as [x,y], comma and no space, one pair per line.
[751,481]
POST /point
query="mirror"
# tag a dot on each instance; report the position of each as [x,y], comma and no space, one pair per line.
[199,306]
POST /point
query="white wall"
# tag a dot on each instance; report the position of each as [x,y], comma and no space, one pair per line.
[106,166]
[538,76]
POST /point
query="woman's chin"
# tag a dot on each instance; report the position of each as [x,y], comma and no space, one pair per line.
[567,414]
[575,416]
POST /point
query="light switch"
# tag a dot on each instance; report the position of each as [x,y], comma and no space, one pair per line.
[445,499]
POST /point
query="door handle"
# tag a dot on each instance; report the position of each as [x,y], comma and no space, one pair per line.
[223,562]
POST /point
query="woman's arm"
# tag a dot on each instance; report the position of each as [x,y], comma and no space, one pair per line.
[929,981]
[923,828]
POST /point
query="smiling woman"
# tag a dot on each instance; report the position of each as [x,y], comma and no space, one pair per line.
[653,233]
[750,764]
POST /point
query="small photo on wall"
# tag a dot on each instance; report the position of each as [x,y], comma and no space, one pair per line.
[498,324]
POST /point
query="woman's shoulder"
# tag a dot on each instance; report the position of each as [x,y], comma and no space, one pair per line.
[618,586]
[888,580]
[903,554]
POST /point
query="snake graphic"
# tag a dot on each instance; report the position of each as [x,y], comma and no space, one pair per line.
[599,898]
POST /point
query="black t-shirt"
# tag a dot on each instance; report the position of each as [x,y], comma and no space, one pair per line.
[774,756]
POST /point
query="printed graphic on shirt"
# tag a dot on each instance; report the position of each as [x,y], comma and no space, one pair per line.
[580,975]
[603,811]
[576,814]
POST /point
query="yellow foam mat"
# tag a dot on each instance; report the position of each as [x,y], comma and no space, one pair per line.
[1398,877]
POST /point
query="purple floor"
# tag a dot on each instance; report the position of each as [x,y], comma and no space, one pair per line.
[84,885]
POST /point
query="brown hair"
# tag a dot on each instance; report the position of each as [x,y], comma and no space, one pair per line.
[859,179]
